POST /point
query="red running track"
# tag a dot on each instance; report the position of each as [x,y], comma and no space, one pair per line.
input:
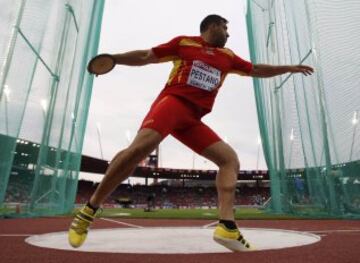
[340,243]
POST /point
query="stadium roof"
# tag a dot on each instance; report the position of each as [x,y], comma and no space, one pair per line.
[94,165]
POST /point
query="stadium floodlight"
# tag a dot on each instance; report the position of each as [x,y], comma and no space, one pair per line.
[355,119]
[258,152]
[314,52]
[193,160]
[98,126]
[292,134]
[292,137]
[7,92]
[128,136]
[44,104]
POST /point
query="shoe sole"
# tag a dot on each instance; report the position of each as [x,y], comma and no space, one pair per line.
[233,245]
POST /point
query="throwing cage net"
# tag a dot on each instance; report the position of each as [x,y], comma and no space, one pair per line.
[309,125]
[44,100]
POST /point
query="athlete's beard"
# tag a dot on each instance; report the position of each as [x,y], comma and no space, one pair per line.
[220,41]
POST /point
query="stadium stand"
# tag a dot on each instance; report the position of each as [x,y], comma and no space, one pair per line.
[165,196]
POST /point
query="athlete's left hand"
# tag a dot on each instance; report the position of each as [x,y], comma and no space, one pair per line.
[306,70]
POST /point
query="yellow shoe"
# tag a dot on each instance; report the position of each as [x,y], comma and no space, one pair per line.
[79,227]
[231,239]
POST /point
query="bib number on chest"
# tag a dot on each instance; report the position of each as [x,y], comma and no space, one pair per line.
[204,76]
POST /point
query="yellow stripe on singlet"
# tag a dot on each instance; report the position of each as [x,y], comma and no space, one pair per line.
[174,71]
[226,51]
[189,42]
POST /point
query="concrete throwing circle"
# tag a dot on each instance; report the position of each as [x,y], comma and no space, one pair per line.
[171,240]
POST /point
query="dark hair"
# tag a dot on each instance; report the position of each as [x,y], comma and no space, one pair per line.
[211,19]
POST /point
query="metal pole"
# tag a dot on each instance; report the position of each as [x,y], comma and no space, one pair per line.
[99,138]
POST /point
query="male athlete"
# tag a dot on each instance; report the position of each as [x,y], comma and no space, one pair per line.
[200,66]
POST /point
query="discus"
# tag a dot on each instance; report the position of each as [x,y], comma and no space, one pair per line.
[101,64]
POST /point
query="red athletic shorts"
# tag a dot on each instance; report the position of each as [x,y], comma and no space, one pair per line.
[180,118]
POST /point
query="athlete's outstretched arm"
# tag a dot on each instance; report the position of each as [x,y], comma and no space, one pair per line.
[136,58]
[266,71]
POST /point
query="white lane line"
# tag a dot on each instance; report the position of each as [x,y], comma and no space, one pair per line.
[120,222]
[334,231]
[211,224]
[15,235]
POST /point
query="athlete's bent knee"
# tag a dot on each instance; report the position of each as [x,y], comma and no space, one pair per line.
[231,161]
[226,186]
